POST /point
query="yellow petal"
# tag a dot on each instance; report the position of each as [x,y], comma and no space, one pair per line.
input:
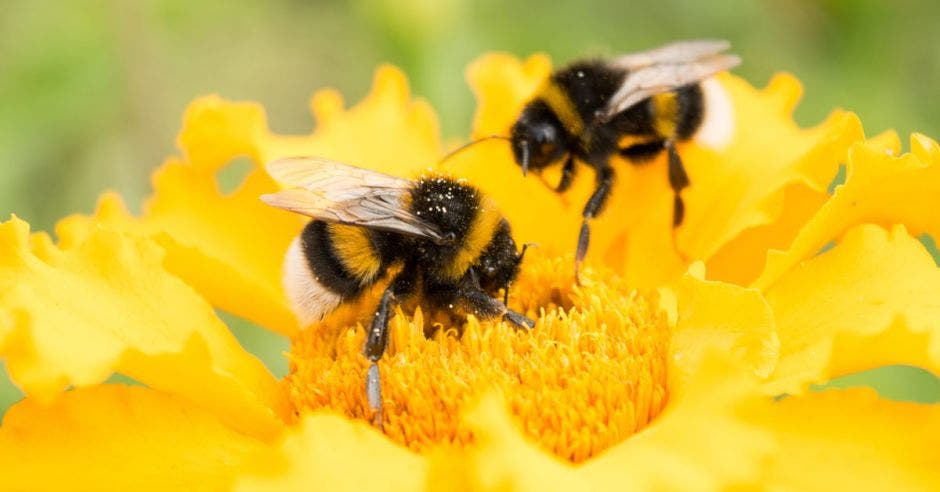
[720,316]
[215,131]
[590,374]
[250,288]
[736,189]
[116,437]
[871,300]
[500,458]
[335,453]
[741,260]
[742,185]
[888,141]
[879,189]
[700,444]
[852,440]
[231,247]
[79,315]
[401,131]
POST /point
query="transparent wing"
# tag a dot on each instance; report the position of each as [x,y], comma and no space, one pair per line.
[334,192]
[332,179]
[676,52]
[667,68]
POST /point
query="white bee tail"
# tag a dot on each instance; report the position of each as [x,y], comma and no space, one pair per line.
[310,299]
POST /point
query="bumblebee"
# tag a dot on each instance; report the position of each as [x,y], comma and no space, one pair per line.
[635,106]
[450,242]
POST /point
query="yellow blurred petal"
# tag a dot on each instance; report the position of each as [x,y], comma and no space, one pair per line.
[739,189]
[900,342]
[720,316]
[216,131]
[879,189]
[242,239]
[250,288]
[700,443]
[852,440]
[767,152]
[741,260]
[230,247]
[401,131]
[79,315]
[115,437]
[888,141]
[500,458]
[870,301]
[330,452]
[718,435]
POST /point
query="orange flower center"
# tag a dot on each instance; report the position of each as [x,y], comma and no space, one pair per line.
[590,374]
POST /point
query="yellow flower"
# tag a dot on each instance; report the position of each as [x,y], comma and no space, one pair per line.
[671,387]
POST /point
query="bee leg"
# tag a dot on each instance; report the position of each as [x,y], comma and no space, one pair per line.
[584,237]
[377,338]
[567,175]
[605,181]
[483,306]
[376,341]
[678,180]
[467,295]
[643,153]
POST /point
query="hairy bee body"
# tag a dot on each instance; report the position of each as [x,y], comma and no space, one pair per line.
[636,106]
[331,263]
[450,242]
[573,96]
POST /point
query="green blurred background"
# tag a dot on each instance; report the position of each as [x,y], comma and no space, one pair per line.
[92,92]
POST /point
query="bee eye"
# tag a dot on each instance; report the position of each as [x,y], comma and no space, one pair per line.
[545,135]
[547,148]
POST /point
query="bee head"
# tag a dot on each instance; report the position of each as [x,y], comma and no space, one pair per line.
[538,139]
[498,265]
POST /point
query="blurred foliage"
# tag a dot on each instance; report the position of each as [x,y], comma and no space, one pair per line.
[92,91]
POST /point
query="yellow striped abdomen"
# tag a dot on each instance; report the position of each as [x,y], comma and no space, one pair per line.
[355,251]
[665,114]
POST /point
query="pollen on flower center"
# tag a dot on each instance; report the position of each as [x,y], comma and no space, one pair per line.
[590,374]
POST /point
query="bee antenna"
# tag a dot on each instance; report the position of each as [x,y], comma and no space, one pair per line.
[525,156]
[467,146]
[525,247]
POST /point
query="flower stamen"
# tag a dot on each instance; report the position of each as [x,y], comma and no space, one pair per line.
[590,374]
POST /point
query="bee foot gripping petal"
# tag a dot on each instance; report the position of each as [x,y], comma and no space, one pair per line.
[374,394]
[584,238]
[675,245]
[518,319]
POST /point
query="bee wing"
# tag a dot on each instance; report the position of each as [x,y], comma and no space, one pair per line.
[665,69]
[334,192]
[676,52]
[331,178]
